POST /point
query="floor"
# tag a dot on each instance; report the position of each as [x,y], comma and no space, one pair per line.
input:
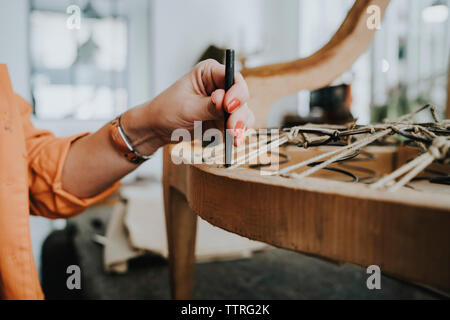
[270,274]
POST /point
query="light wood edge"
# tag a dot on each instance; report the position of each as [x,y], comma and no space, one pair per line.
[345,189]
[181,229]
[322,186]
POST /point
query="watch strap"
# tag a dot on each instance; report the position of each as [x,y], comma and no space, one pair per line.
[123,145]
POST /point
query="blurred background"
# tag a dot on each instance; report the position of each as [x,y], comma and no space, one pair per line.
[127,51]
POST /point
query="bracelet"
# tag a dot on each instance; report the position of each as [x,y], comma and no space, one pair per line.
[123,145]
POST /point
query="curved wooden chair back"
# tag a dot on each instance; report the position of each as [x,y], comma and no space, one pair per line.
[269,83]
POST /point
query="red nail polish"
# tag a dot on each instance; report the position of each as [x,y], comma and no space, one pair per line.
[235,103]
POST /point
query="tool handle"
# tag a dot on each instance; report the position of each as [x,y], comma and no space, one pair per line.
[229,82]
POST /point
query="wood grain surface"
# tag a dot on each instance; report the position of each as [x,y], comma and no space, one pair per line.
[406,233]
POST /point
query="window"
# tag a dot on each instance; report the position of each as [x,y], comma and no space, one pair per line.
[410,58]
[406,65]
[78,73]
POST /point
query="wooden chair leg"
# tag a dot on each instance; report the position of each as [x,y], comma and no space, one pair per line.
[181,224]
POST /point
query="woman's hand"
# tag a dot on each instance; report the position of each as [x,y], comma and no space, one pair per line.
[93,162]
[198,96]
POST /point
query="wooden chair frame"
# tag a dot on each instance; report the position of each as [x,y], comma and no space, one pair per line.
[405,234]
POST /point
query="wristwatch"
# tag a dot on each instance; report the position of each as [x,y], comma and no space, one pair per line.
[123,144]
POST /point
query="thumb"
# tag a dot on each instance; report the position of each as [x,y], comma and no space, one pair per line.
[212,107]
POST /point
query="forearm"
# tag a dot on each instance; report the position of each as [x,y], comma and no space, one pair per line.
[93,163]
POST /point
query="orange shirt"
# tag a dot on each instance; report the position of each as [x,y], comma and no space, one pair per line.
[31,163]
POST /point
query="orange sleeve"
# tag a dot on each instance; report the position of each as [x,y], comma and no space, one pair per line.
[46,156]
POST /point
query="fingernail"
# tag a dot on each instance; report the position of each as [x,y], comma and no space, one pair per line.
[235,103]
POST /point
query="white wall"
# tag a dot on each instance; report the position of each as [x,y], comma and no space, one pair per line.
[14,44]
[281,27]
[182,30]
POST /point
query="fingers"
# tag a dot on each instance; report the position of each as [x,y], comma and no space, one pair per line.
[213,78]
[243,114]
[217,99]
[238,94]
[239,121]
[234,101]
[209,75]
[213,75]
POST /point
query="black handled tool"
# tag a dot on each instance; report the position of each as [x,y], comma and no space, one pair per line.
[229,82]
